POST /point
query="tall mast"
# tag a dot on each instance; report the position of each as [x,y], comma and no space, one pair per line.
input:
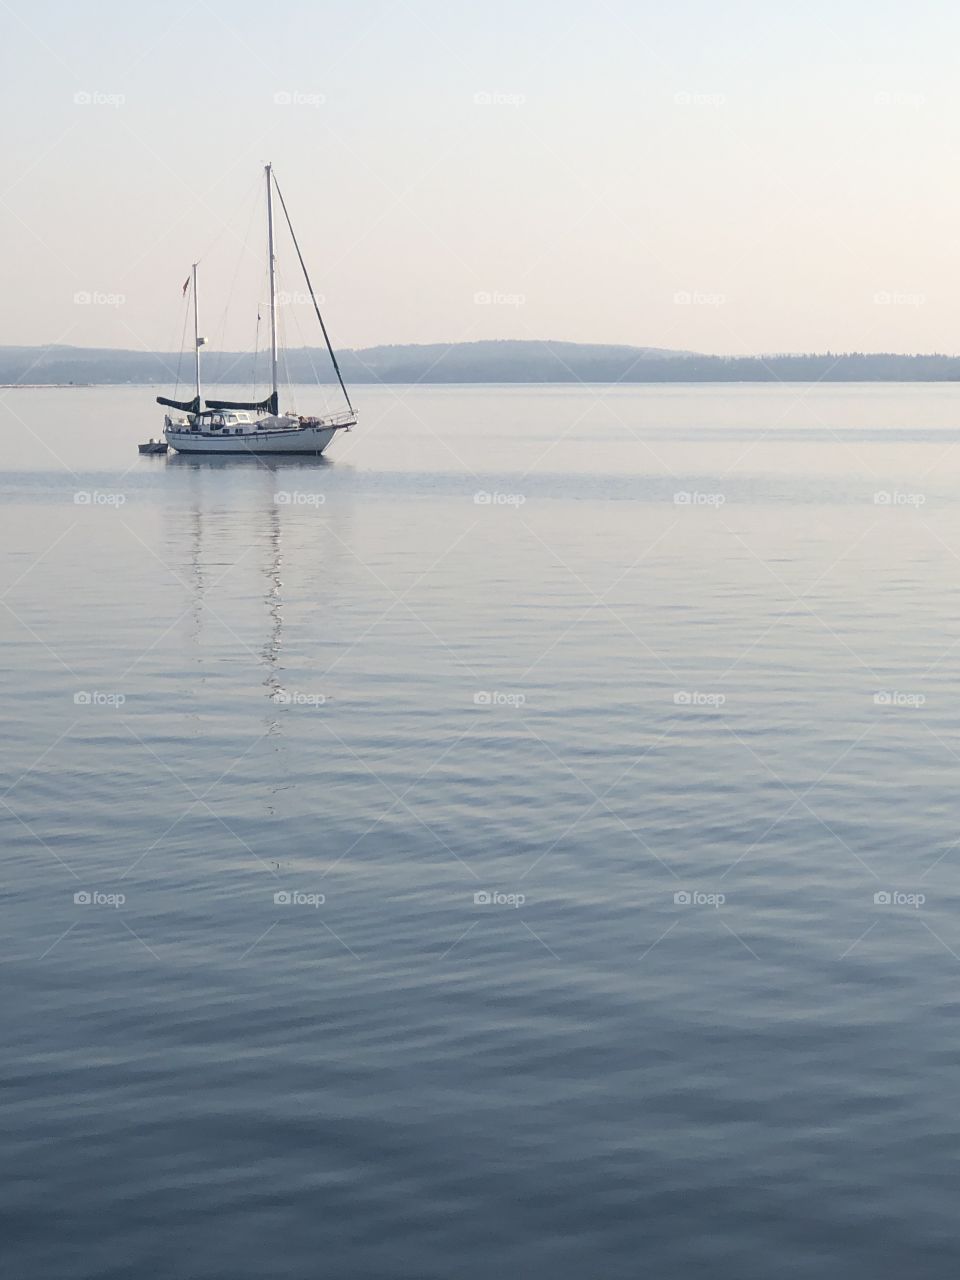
[273,287]
[196,329]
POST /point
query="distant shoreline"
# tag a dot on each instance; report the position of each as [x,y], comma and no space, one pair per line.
[504,362]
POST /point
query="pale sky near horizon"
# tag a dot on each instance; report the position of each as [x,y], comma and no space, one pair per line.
[742,177]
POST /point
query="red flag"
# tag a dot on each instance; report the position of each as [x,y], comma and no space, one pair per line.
[186,286]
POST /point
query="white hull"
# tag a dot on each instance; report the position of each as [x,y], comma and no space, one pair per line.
[312,440]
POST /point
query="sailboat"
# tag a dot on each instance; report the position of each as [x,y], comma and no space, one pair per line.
[254,426]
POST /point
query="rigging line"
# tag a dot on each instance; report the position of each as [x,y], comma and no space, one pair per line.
[225,226]
[287,385]
[306,350]
[221,334]
[303,267]
[183,340]
[282,346]
[256,337]
[256,350]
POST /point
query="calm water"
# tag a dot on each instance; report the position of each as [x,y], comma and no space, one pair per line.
[681,745]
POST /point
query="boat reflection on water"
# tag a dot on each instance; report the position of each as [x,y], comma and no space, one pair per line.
[208,525]
[273,599]
[228,461]
[238,538]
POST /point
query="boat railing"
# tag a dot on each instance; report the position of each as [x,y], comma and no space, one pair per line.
[344,419]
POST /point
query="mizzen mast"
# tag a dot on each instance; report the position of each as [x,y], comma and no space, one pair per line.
[273,287]
[197,340]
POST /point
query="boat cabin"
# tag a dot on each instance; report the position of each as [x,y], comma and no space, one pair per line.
[233,422]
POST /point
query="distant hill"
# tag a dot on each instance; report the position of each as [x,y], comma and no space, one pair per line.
[503,361]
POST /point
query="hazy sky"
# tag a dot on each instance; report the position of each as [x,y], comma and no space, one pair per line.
[790,171]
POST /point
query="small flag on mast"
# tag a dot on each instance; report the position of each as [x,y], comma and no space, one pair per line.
[186,286]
